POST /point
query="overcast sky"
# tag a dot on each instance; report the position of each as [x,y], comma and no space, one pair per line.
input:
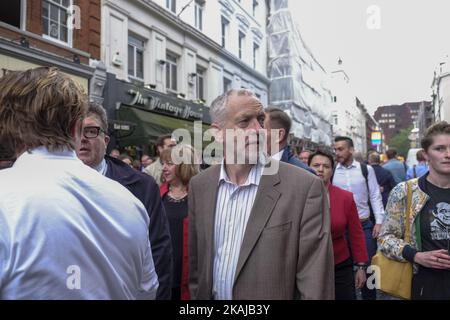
[390,65]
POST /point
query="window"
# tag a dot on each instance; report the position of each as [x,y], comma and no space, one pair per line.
[226,84]
[55,16]
[391,126]
[171,72]
[171,5]
[200,83]
[255,55]
[10,12]
[335,119]
[255,6]
[241,43]
[225,24]
[199,6]
[135,57]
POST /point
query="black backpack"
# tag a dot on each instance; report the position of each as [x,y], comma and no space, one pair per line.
[365,173]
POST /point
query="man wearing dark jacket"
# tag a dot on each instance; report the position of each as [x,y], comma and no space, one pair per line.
[92,151]
[384,177]
[278,119]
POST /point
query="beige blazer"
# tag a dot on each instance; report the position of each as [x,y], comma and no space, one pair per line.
[287,251]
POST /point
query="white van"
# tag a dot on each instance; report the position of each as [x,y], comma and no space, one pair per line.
[411,158]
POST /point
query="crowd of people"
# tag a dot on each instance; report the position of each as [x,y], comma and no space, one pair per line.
[78,223]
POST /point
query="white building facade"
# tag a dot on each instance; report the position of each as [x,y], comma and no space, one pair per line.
[441,91]
[348,115]
[190,49]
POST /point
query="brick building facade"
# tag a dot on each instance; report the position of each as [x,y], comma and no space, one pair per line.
[394,118]
[38,33]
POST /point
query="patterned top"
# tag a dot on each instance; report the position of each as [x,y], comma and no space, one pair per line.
[390,241]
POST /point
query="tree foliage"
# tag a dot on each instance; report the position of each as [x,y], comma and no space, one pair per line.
[400,141]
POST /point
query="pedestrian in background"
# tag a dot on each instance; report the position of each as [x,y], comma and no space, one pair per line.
[174,191]
[345,226]
[396,167]
[351,176]
[418,169]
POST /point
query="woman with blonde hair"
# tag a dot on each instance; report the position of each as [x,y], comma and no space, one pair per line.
[179,166]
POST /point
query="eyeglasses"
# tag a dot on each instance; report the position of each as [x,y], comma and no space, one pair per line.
[92,132]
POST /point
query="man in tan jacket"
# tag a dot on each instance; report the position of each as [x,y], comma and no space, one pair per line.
[256,233]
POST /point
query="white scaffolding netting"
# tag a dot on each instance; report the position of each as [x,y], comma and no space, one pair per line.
[298,81]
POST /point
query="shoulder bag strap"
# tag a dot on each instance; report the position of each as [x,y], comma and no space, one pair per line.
[408,212]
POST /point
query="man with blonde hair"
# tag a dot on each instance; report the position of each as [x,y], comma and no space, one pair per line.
[61,235]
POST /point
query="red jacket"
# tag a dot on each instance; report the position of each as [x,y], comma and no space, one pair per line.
[344,216]
[164,188]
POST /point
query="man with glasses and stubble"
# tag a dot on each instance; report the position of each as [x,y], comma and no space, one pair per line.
[91,149]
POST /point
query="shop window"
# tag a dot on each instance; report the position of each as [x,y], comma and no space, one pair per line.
[171,72]
[55,19]
[135,57]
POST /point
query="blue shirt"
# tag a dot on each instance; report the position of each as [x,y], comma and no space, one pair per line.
[421,169]
[397,168]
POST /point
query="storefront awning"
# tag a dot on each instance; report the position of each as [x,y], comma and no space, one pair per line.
[149,125]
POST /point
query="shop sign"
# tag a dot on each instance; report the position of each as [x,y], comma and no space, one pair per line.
[157,104]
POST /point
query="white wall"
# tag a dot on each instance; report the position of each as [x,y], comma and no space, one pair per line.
[350,118]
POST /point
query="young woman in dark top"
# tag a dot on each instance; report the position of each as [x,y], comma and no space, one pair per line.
[429,245]
[179,166]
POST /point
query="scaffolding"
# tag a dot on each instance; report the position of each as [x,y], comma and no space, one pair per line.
[298,83]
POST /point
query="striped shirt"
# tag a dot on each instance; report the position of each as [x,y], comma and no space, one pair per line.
[234,204]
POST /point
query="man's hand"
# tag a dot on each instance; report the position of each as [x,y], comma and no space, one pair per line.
[376,231]
[437,259]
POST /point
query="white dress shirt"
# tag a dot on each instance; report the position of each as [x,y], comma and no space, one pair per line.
[67,232]
[351,179]
[234,204]
[278,155]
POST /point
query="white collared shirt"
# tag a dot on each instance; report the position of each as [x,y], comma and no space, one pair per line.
[278,155]
[102,167]
[351,179]
[233,207]
[67,232]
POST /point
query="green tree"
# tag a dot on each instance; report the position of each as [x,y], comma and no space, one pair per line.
[400,141]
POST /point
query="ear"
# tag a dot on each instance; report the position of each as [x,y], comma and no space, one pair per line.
[282,135]
[107,139]
[75,131]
